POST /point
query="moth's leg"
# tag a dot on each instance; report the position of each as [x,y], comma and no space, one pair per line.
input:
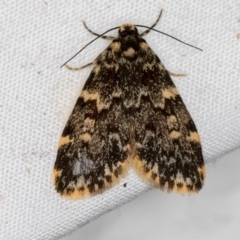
[79,68]
[177,74]
[147,31]
[96,34]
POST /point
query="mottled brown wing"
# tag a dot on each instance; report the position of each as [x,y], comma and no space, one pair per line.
[93,150]
[168,150]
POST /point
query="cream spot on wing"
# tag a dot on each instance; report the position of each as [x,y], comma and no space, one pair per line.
[116,46]
[107,171]
[94,96]
[170,92]
[117,93]
[175,134]
[162,103]
[64,140]
[80,182]
[171,161]
[86,137]
[116,67]
[172,178]
[144,46]
[143,92]
[194,136]
[129,53]
[172,122]
[71,185]
[111,65]
[179,178]
[88,125]
[172,119]
[189,181]
[96,188]
[155,169]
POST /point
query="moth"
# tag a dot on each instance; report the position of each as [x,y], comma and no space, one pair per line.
[128,114]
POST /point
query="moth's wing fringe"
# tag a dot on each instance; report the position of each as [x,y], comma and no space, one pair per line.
[147,177]
[76,194]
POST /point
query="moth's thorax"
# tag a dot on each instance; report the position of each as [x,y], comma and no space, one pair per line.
[129,43]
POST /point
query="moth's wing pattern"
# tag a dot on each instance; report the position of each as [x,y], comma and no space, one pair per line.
[168,149]
[129,112]
[92,151]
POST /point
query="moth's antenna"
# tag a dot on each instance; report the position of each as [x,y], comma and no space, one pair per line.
[153,29]
[150,28]
[88,44]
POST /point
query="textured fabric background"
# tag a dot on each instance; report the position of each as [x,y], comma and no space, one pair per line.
[36,96]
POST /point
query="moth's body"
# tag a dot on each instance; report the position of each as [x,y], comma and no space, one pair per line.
[129,114]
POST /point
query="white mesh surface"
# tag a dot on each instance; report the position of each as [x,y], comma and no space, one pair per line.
[36,96]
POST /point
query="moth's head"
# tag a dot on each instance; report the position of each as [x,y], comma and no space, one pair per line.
[128,29]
